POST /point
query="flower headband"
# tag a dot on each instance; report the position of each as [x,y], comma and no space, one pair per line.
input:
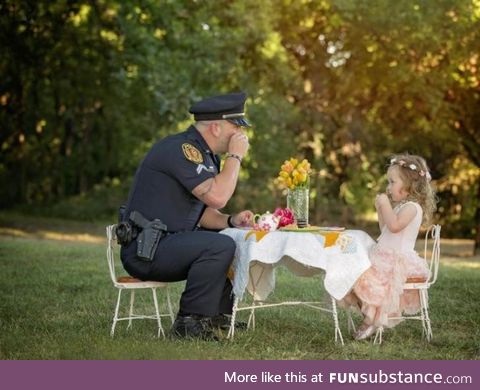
[412,167]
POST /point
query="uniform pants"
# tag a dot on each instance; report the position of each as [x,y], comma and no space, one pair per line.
[202,258]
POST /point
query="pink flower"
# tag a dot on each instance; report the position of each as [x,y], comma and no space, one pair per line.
[286,216]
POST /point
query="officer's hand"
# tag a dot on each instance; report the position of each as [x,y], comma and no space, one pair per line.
[238,144]
[243,219]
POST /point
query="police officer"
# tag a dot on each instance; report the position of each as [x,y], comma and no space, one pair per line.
[179,182]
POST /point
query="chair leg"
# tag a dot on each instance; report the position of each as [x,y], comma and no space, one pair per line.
[350,324]
[130,313]
[159,320]
[251,317]
[424,303]
[231,330]
[169,304]
[115,316]
[338,332]
[378,336]
[422,313]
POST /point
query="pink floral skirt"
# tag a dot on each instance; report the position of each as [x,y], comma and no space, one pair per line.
[380,288]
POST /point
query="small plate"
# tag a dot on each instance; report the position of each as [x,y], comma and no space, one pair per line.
[332,228]
[310,229]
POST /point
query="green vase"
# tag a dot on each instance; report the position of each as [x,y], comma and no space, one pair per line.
[297,201]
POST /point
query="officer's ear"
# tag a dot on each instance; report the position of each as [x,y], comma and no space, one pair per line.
[215,128]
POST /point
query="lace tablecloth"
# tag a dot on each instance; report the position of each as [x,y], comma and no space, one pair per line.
[343,259]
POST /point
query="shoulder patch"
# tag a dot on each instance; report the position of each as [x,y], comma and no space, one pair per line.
[192,153]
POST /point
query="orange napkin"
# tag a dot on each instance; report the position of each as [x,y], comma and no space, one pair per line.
[259,234]
[330,238]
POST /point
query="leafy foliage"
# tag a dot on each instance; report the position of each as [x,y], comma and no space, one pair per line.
[87,87]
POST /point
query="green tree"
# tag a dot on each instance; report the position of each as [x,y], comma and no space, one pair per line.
[376,84]
[88,86]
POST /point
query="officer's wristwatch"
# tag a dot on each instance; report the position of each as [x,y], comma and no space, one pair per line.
[229,222]
[234,156]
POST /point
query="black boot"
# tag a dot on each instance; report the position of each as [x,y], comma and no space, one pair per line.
[193,326]
[223,321]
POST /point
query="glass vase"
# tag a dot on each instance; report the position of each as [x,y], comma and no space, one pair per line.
[297,201]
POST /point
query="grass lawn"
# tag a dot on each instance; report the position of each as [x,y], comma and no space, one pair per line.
[57,302]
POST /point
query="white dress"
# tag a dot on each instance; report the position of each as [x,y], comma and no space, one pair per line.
[393,258]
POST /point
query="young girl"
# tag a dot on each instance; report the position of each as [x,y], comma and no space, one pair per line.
[379,291]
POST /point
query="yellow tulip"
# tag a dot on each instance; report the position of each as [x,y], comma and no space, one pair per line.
[303,162]
[287,167]
[293,173]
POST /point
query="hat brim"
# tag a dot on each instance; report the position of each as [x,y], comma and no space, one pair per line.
[242,122]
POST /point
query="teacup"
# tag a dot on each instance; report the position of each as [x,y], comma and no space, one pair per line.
[267,222]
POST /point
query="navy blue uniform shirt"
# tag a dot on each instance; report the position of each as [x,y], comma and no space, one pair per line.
[164,181]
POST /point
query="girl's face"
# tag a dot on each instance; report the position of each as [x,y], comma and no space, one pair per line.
[395,187]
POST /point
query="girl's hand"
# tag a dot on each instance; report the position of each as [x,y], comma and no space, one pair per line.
[380,200]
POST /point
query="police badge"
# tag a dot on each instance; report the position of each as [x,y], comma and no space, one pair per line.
[192,153]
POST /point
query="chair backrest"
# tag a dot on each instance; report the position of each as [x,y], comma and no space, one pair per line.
[110,252]
[433,260]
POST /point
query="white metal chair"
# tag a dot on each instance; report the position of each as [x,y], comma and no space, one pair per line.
[132,284]
[422,285]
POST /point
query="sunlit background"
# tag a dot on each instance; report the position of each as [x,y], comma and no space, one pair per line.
[88,86]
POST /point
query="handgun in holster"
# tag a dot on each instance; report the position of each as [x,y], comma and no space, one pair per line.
[149,236]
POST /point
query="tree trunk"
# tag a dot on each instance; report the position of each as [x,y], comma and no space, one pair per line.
[477,219]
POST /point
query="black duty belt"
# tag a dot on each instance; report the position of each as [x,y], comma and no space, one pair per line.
[147,233]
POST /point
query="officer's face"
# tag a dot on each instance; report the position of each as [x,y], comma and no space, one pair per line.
[228,129]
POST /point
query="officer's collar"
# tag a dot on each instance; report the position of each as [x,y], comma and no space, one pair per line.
[194,134]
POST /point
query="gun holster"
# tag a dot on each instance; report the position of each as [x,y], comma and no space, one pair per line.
[149,236]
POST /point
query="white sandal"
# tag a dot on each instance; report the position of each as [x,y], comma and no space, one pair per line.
[365,333]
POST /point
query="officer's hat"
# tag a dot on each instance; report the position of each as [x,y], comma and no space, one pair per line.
[228,107]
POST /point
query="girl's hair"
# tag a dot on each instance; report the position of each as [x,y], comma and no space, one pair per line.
[413,171]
